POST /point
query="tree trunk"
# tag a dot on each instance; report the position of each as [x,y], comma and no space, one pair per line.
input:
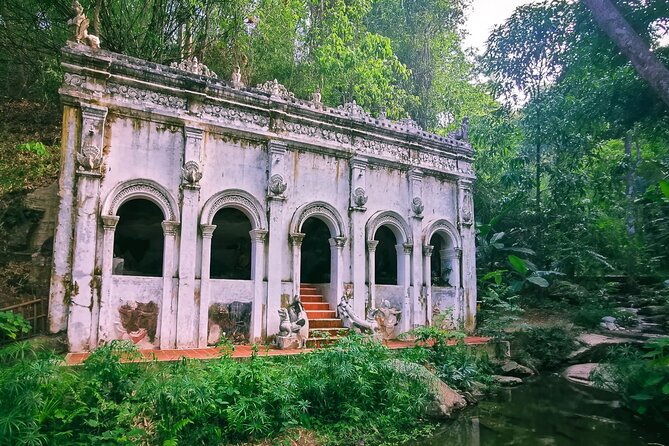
[629,190]
[646,64]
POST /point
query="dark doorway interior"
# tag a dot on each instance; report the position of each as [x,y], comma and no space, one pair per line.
[386,257]
[138,239]
[439,272]
[315,263]
[231,245]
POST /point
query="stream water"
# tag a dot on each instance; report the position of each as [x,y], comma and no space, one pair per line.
[548,410]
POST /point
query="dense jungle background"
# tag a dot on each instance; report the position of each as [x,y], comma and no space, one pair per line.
[571,132]
[571,142]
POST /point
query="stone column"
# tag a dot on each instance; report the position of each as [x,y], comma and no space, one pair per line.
[337,260]
[419,311]
[84,309]
[296,239]
[61,273]
[105,323]
[203,324]
[278,233]
[427,276]
[257,275]
[450,258]
[404,279]
[357,208]
[468,282]
[167,305]
[371,253]
[187,307]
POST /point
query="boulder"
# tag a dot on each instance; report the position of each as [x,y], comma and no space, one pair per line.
[445,400]
[609,323]
[653,310]
[580,373]
[512,368]
[507,381]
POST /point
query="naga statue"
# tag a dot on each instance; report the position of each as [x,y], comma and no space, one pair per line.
[79,24]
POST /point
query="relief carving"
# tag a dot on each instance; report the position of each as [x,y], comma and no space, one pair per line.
[417,206]
[191,173]
[277,185]
[359,197]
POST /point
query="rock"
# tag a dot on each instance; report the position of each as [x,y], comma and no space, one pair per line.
[609,323]
[580,373]
[595,346]
[445,399]
[507,381]
[666,283]
[653,310]
[512,368]
[214,334]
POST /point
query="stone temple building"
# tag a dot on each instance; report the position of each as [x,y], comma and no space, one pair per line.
[193,208]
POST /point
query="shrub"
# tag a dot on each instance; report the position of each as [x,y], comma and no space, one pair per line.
[12,325]
[543,347]
[640,378]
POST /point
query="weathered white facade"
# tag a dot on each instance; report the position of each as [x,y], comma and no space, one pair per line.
[192,146]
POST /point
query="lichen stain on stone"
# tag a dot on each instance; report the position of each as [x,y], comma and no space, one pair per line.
[296,165]
[197,296]
[285,300]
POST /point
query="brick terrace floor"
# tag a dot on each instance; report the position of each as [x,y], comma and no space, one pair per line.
[242,351]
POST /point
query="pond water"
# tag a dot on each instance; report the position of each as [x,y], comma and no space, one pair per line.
[548,410]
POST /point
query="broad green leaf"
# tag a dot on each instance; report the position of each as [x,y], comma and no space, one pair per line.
[496,237]
[539,281]
[665,388]
[518,264]
[664,187]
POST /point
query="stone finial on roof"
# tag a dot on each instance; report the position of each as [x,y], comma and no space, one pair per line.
[462,133]
[353,109]
[275,89]
[236,77]
[316,96]
[409,123]
[192,65]
[79,24]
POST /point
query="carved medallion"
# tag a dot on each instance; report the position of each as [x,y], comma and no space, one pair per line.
[191,173]
[277,185]
[89,158]
[417,206]
[359,197]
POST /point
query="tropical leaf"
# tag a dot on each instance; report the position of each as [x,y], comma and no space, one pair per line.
[539,281]
[518,264]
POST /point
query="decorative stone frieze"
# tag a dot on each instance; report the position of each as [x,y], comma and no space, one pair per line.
[235,116]
[354,110]
[145,97]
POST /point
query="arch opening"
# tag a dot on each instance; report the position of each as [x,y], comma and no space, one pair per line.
[139,239]
[385,257]
[316,262]
[442,261]
[231,245]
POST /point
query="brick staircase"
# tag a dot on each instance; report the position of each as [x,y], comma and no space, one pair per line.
[322,319]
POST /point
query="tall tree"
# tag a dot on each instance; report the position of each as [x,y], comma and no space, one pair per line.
[623,35]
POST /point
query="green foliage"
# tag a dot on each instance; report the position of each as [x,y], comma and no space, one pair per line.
[543,347]
[348,392]
[589,314]
[12,325]
[454,362]
[640,378]
[499,307]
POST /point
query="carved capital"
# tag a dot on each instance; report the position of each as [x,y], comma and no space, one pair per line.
[193,132]
[258,235]
[371,245]
[297,238]
[170,228]
[109,222]
[427,250]
[207,230]
[338,242]
[93,112]
[407,248]
[277,147]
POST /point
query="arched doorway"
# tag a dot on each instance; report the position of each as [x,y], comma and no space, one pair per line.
[385,261]
[139,239]
[316,262]
[444,271]
[231,245]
